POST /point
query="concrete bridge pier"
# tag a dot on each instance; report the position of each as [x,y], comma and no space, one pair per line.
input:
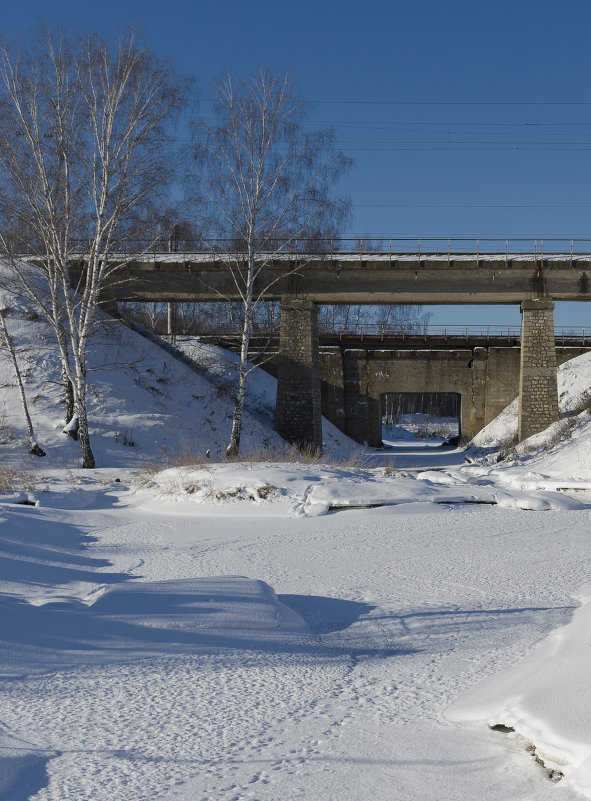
[538,389]
[363,420]
[298,412]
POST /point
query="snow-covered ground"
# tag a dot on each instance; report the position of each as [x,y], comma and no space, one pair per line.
[346,629]
[412,427]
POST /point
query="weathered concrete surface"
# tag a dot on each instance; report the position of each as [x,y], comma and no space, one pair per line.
[351,278]
[298,414]
[353,381]
[538,393]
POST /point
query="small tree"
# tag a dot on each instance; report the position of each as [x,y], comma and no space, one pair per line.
[7,345]
[264,182]
[84,126]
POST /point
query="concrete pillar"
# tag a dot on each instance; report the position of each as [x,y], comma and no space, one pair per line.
[298,415]
[363,421]
[332,387]
[538,390]
[477,405]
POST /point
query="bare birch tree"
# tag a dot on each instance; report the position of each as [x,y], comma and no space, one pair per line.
[265,183]
[84,126]
[7,345]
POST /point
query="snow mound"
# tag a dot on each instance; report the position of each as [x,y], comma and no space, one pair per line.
[545,699]
[17,757]
[144,619]
[312,490]
[213,603]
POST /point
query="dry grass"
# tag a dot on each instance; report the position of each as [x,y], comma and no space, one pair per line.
[506,447]
[16,480]
[562,431]
[6,434]
[308,455]
[288,454]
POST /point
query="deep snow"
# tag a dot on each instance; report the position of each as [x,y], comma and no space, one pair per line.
[241,631]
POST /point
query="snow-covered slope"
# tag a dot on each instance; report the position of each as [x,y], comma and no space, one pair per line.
[574,389]
[557,458]
[146,406]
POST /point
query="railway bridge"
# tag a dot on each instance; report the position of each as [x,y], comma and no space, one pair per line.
[359,366]
[303,281]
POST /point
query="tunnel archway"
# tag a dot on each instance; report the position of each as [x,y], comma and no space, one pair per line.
[420,415]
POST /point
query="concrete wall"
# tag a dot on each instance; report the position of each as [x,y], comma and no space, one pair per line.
[298,415]
[353,381]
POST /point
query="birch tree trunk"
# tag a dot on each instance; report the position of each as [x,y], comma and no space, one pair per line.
[33,446]
[233,448]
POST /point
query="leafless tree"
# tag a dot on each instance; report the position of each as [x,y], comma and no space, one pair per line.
[84,126]
[8,347]
[264,182]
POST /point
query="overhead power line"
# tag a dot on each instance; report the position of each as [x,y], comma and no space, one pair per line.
[471,206]
[453,102]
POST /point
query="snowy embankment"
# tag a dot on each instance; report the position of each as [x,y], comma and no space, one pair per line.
[558,458]
[145,406]
[313,490]
[544,702]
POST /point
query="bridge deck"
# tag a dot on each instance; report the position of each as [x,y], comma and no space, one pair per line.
[376,278]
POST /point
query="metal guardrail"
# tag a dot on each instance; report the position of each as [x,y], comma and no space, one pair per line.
[538,247]
[563,335]
[467,332]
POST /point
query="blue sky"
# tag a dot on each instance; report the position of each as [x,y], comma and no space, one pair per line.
[464,119]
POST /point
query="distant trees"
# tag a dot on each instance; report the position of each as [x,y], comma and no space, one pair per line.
[264,182]
[84,164]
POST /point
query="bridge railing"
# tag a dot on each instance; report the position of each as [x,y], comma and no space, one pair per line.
[439,245]
[564,335]
[469,333]
[372,245]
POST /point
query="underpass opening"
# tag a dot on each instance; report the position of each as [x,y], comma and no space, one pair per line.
[420,416]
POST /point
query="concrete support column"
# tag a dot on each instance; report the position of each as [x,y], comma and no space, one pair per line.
[298,415]
[332,386]
[538,390]
[363,421]
[472,420]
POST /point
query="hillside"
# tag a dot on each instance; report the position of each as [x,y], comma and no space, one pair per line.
[146,406]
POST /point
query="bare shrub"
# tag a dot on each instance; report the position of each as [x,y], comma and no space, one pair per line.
[16,481]
[308,455]
[288,454]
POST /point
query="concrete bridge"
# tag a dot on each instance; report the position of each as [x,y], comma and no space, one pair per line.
[357,370]
[301,282]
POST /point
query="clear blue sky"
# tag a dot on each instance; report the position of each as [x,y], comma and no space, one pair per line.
[464,118]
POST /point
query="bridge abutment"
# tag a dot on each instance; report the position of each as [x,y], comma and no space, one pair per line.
[298,414]
[538,390]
